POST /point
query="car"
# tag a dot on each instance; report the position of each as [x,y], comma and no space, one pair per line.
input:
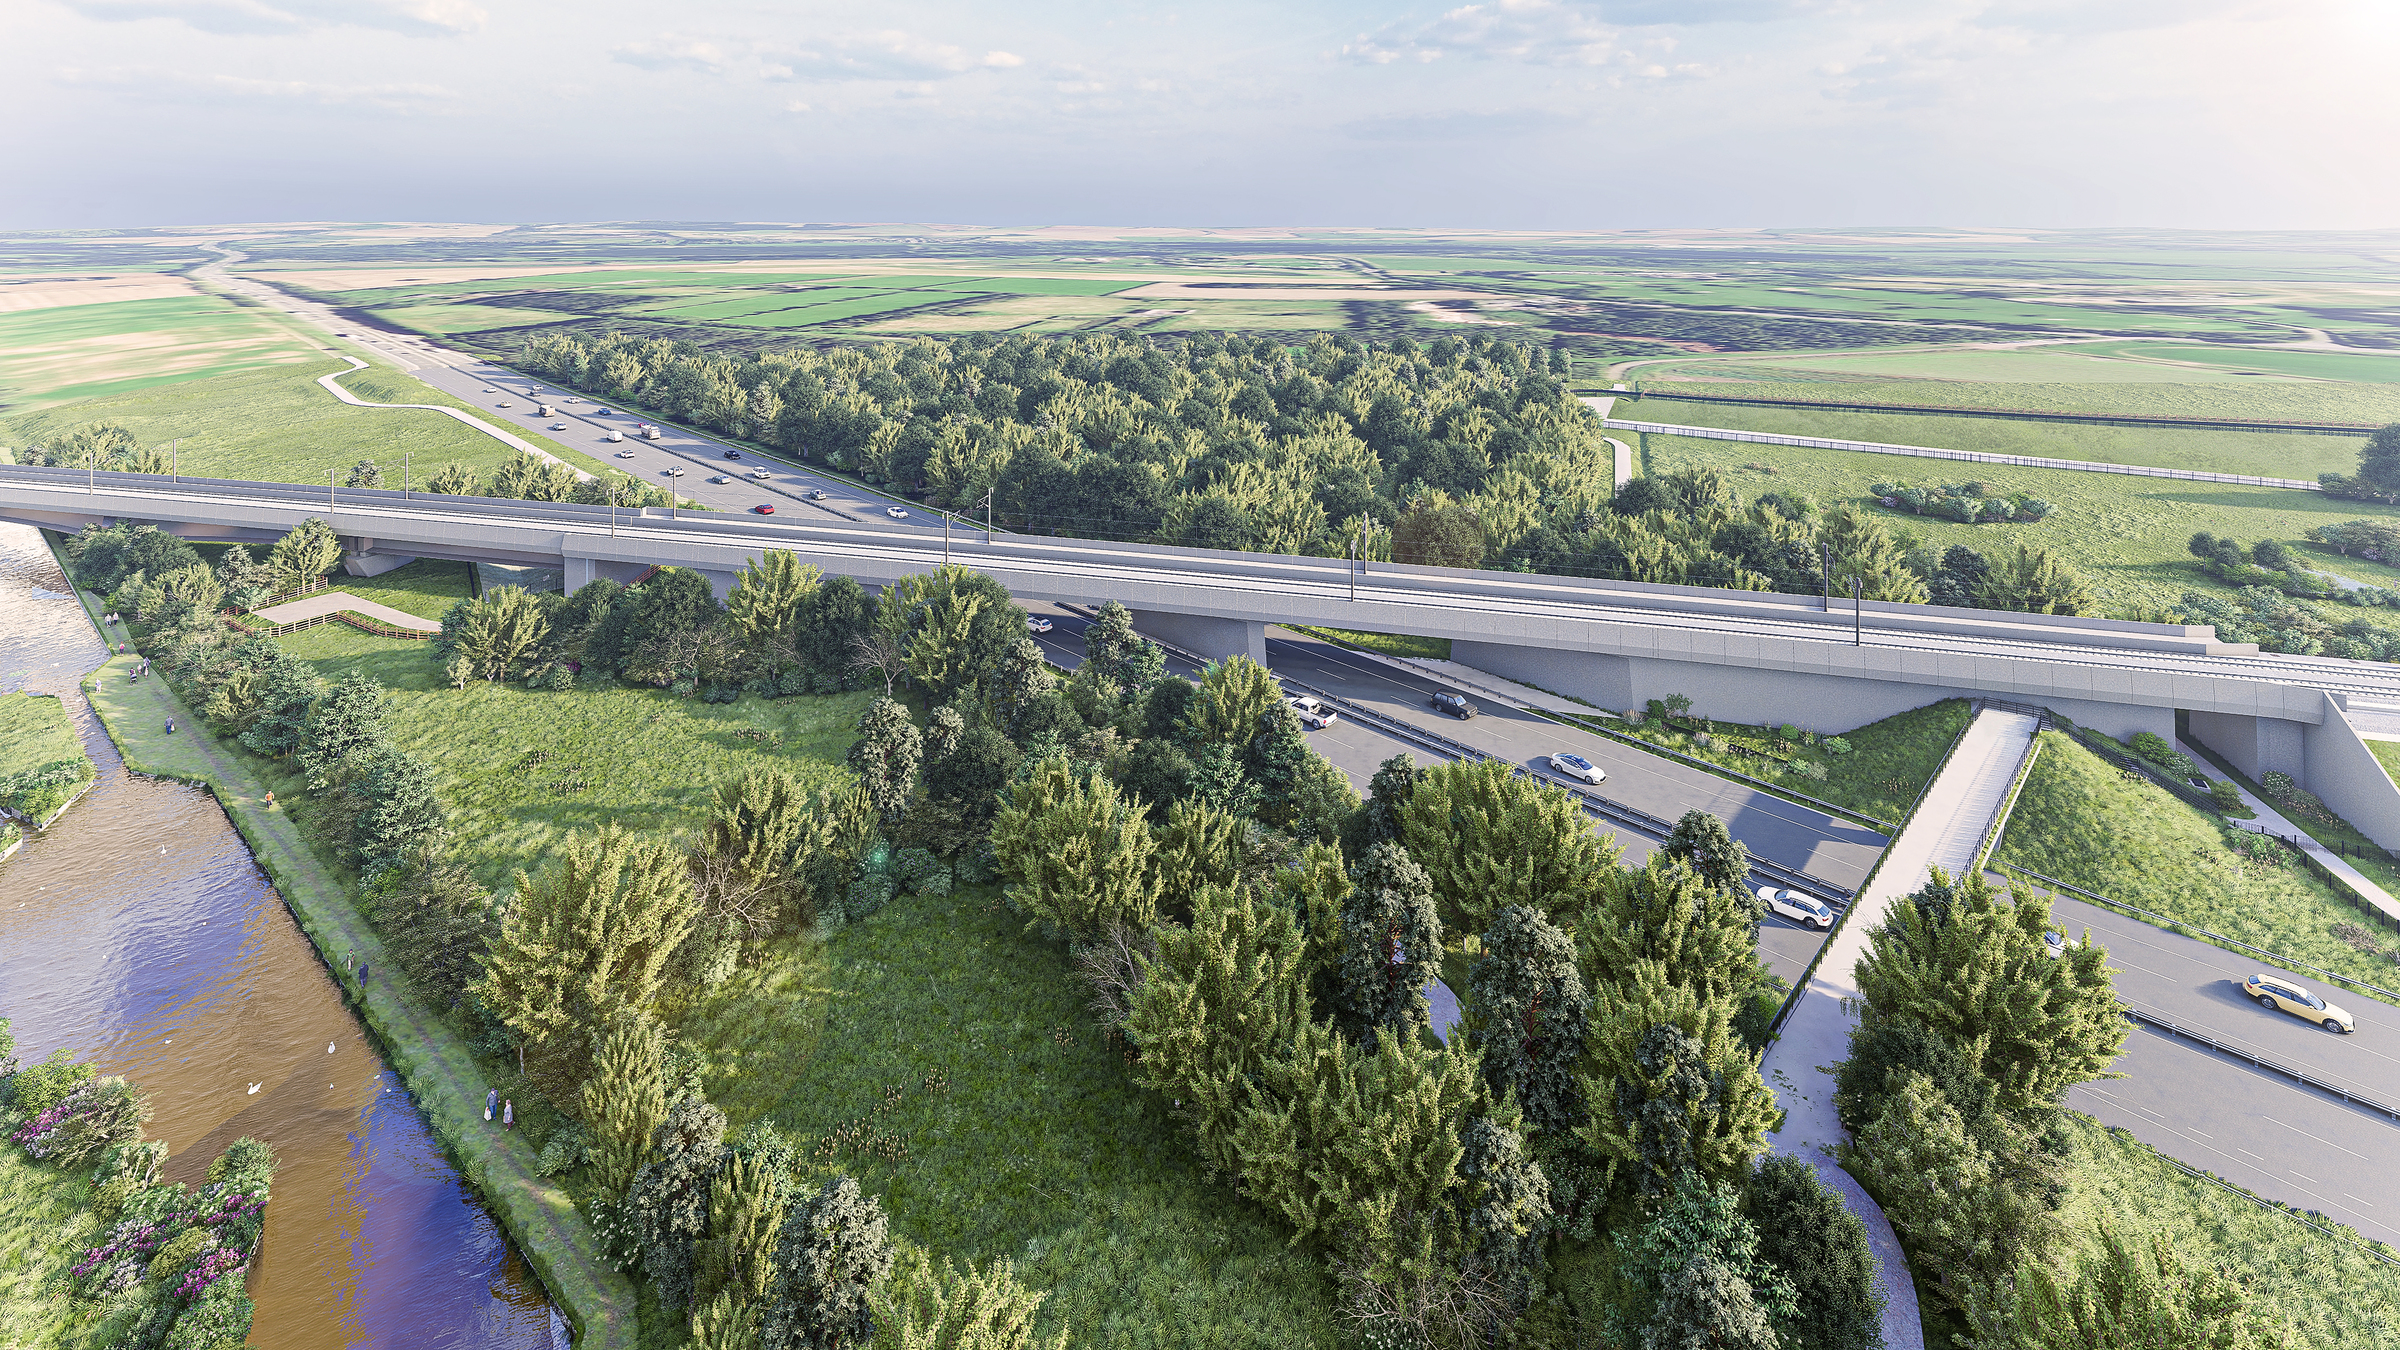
[764,508]
[1035,623]
[571,398]
[2056,944]
[760,475]
[817,495]
[895,513]
[733,454]
[600,412]
[504,405]
[618,436]
[1312,714]
[1804,910]
[674,473]
[720,478]
[487,389]
[1576,766]
[558,426]
[1454,704]
[624,454]
[2277,994]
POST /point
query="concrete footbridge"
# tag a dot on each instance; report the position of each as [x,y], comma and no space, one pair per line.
[1757,656]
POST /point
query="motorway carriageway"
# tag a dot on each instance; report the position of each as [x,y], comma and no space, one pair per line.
[2252,1126]
[1780,831]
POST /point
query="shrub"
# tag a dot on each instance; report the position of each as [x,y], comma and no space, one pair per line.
[918,872]
[246,1166]
[1805,1231]
[220,1320]
[866,895]
[1835,745]
[181,1253]
[563,1152]
[38,1087]
[1809,769]
[2225,795]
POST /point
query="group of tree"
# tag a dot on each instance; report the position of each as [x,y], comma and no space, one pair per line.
[783,629]
[370,802]
[1969,503]
[1971,1032]
[1283,1009]
[2378,476]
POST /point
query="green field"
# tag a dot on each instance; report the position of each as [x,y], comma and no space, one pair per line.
[2387,753]
[2264,400]
[71,352]
[426,588]
[2085,823]
[35,734]
[1024,1133]
[443,320]
[277,425]
[2128,535]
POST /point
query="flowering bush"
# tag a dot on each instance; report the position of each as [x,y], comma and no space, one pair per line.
[218,1263]
[92,1116]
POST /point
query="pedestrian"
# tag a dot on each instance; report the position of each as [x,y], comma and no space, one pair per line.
[491,1102]
[270,801]
[362,972]
[508,1115]
[170,726]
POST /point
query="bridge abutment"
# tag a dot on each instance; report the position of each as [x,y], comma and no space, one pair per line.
[1217,639]
[2257,746]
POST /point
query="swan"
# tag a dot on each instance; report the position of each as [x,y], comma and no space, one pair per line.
[254,1087]
[329,1047]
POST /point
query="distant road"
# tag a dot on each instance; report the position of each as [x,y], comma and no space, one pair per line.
[2028,415]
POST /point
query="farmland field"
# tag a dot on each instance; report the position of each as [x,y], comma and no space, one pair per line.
[77,351]
[2126,534]
[2266,400]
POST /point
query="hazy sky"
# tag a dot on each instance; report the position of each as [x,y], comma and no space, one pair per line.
[1542,114]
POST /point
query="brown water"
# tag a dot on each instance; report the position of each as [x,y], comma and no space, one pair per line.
[138,933]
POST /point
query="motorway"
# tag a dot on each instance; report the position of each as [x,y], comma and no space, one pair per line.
[1773,829]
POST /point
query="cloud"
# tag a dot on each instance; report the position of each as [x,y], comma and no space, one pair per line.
[878,56]
[245,17]
[1453,126]
[179,86]
[671,52]
[1535,32]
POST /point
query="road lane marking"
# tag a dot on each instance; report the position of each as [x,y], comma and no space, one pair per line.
[2306,1135]
[2368,1203]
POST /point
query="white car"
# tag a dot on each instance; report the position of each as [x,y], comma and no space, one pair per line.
[1312,714]
[1805,910]
[817,495]
[487,389]
[760,475]
[895,513]
[558,426]
[674,473]
[1035,623]
[1577,767]
[721,478]
[624,454]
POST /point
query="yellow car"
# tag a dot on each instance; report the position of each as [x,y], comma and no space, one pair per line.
[2277,994]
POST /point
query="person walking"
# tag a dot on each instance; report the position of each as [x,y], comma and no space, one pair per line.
[491,1101]
[270,801]
[508,1115]
[170,726]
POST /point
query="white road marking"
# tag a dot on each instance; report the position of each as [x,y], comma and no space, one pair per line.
[2306,1135]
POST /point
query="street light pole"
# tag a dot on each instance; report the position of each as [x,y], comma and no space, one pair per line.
[987,515]
[1858,615]
[945,539]
[1825,552]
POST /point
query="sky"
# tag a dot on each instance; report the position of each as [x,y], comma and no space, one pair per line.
[1512,114]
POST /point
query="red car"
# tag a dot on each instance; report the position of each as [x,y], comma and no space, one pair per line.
[764,508]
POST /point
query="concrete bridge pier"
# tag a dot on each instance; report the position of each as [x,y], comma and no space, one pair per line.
[359,558]
[1216,639]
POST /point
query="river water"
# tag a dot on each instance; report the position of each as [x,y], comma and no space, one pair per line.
[138,934]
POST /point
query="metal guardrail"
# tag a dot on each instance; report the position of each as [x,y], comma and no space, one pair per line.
[2267,1062]
[1967,456]
[2171,923]
[2008,804]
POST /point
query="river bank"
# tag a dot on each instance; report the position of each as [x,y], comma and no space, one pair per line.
[138,934]
[437,1067]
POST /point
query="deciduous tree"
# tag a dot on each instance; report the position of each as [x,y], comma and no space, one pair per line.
[303,556]
[625,1100]
[1234,694]
[834,1248]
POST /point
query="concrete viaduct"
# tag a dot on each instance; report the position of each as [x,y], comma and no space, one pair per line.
[1761,657]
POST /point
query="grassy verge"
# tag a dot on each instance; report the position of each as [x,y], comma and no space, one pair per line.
[35,735]
[2085,823]
[2288,1270]
[426,588]
[2129,536]
[1888,765]
[517,768]
[445,1080]
[2387,753]
[941,1028]
[44,1227]
[1389,644]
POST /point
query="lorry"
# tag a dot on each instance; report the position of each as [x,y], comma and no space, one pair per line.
[650,433]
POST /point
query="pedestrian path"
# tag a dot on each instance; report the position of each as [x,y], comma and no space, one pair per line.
[441,1073]
[2268,820]
[329,602]
[1949,825]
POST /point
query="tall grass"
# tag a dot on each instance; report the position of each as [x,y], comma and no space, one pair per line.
[44,1226]
[944,1057]
[2093,826]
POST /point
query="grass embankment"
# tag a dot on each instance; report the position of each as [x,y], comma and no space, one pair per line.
[2087,824]
[2335,833]
[939,1026]
[66,352]
[1389,644]
[444,1076]
[44,1227]
[35,736]
[1888,765]
[2387,753]
[2129,536]
[2289,1271]
[277,425]
[517,768]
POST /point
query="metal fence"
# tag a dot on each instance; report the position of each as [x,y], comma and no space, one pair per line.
[1967,456]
